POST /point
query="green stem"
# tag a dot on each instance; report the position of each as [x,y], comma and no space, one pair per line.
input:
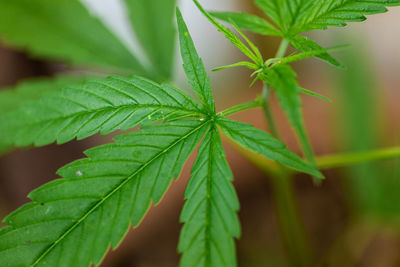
[241,107]
[290,223]
[282,48]
[267,112]
[349,159]
[291,227]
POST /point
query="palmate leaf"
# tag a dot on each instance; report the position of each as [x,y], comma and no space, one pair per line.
[283,79]
[193,66]
[296,16]
[97,106]
[153,22]
[72,221]
[63,30]
[263,143]
[210,210]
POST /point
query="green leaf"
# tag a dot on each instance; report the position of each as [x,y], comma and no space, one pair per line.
[304,55]
[248,22]
[73,221]
[95,106]
[193,66]
[63,30]
[283,79]
[263,143]
[29,90]
[153,22]
[253,55]
[210,210]
[284,13]
[305,44]
[321,14]
[296,16]
[314,94]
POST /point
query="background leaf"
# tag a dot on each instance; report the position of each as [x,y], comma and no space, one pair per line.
[63,30]
[210,210]
[153,22]
[72,221]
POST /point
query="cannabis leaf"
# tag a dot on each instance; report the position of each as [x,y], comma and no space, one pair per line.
[263,143]
[293,17]
[283,79]
[210,210]
[72,221]
[153,22]
[63,30]
[96,106]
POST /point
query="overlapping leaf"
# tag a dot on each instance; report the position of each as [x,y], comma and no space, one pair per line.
[210,210]
[283,79]
[63,30]
[264,144]
[96,106]
[12,99]
[72,221]
[154,26]
[297,16]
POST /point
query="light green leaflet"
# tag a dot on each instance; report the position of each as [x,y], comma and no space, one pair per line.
[153,22]
[74,220]
[63,30]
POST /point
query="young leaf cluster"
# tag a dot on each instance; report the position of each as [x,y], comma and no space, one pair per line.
[289,19]
[74,220]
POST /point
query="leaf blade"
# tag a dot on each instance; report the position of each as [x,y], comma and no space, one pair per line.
[193,66]
[95,106]
[263,143]
[210,209]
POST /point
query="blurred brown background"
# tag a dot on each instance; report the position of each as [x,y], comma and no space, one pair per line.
[324,209]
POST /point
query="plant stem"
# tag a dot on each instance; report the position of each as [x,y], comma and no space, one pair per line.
[241,107]
[282,48]
[349,159]
[267,111]
[290,223]
[291,228]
